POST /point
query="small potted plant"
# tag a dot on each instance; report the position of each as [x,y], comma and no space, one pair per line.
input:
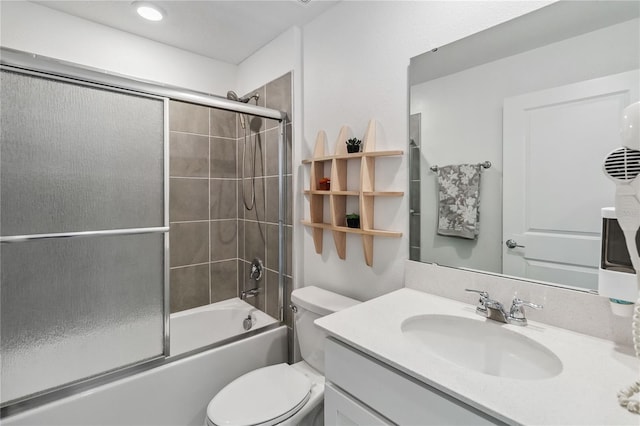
[353,220]
[353,145]
[324,184]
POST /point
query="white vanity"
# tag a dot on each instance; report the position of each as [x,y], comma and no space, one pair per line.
[387,363]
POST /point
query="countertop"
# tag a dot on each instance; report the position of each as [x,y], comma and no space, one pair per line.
[594,370]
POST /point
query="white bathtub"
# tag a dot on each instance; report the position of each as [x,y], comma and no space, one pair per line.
[177,392]
[210,324]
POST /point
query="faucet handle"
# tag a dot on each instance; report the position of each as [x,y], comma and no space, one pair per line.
[481,308]
[516,313]
[483,294]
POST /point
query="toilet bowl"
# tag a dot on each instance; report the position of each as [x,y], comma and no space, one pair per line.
[284,394]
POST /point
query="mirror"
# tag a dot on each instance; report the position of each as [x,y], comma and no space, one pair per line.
[540,98]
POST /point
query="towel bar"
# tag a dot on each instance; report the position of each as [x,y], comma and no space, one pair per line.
[484,165]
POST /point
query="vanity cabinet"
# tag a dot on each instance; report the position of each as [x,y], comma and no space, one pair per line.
[338,192]
[341,409]
[366,391]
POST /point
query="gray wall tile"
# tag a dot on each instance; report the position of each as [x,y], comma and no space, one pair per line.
[272,255]
[414,195]
[279,94]
[224,239]
[272,247]
[246,149]
[188,199]
[255,240]
[272,203]
[223,123]
[241,226]
[184,117]
[223,158]
[258,211]
[224,281]
[271,151]
[272,298]
[272,199]
[223,199]
[288,250]
[189,287]
[188,155]
[189,243]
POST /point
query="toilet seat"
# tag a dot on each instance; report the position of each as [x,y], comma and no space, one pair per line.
[264,397]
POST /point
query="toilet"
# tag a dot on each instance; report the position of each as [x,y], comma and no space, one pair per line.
[284,394]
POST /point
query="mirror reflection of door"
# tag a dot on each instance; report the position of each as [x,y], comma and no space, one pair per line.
[554,143]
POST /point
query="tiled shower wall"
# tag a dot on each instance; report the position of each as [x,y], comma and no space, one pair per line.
[258,227]
[213,236]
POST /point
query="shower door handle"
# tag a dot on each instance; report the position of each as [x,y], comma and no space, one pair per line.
[512,244]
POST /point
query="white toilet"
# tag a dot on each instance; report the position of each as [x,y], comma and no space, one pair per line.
[284,394]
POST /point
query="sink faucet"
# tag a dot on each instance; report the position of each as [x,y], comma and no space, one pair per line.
[494,310]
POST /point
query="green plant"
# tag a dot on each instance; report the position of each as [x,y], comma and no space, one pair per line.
[353,216]
[353,142]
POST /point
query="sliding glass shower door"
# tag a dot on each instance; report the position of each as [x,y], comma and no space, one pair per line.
[82,227]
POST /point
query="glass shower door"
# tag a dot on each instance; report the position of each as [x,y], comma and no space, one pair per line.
[82,227]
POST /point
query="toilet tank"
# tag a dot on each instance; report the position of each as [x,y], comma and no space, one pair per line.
[313,303]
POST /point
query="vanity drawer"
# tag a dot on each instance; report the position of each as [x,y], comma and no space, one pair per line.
[341,409]
[400,398]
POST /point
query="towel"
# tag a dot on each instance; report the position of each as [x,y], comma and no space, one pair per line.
[459,193]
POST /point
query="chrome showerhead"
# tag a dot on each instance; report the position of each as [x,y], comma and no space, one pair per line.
[234,97]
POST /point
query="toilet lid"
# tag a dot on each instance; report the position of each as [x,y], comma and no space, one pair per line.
[261,397]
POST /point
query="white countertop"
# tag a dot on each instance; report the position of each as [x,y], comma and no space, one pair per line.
[594,370]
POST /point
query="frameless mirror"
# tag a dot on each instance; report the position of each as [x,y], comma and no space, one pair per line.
[540,98]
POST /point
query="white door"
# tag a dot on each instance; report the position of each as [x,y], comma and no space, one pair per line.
[555,141]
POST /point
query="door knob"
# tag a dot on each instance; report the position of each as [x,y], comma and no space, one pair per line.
[512,244]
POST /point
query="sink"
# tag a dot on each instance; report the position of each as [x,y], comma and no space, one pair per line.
[484,346]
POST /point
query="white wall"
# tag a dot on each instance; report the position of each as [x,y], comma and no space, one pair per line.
[38,29]
[355,59]
[443,102]
[273,60]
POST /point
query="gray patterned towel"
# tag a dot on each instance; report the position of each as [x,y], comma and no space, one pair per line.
[458,209]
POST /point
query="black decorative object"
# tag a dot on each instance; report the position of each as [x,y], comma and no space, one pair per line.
[353,220]
[353,145]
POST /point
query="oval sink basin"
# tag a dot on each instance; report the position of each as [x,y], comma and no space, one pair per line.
[483,346]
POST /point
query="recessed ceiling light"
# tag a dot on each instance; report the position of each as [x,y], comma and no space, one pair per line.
[148,10]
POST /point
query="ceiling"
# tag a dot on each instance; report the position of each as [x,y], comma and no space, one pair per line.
[227,30]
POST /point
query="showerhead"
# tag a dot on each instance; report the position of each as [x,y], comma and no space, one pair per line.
[234,97]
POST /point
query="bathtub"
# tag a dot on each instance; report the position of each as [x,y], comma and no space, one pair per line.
[177,391]
[214,324]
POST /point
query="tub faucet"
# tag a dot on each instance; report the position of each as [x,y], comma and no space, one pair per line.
[494,310]
[249,293]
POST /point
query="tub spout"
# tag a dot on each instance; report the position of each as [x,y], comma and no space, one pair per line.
[249,293]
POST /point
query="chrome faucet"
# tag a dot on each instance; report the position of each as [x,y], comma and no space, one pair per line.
[249,293]
[255,275]
[494,310]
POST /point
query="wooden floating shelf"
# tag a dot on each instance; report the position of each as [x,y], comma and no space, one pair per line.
[356,193]
[338,193]
[346,229]
[354,156]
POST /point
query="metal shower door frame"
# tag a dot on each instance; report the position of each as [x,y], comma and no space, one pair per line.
[41,66]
